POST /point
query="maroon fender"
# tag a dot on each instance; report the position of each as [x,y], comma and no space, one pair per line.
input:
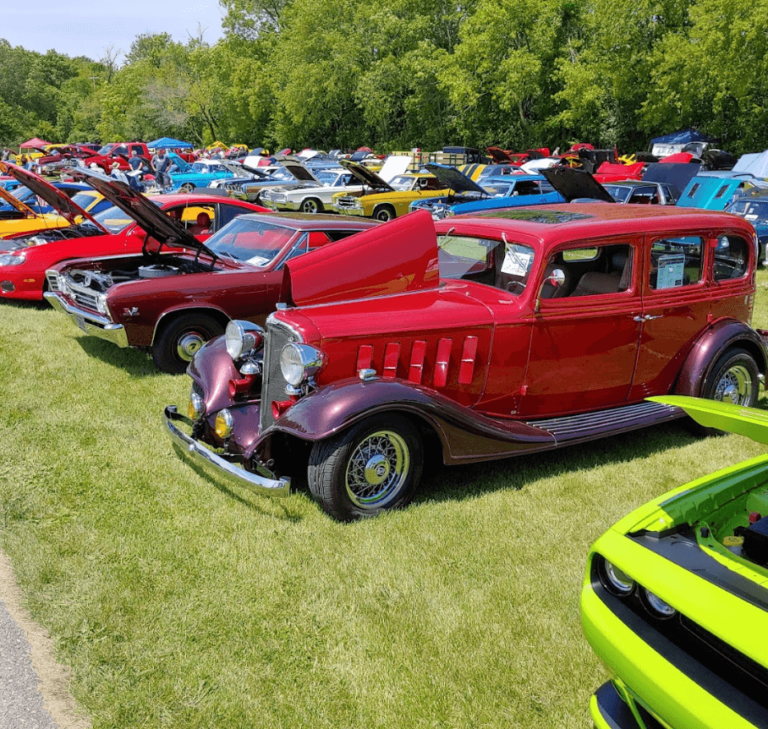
[213,373]
[715,340]
[465,434]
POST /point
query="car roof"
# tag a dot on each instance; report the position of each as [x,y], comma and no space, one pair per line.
[633,183]
[318,221]
[553,224]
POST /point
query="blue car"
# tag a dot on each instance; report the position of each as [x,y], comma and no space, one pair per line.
[710,191]
[83,195]
[496,192]
[198,174]
[753,206]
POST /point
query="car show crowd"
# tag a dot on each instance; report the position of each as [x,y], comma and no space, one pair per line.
[344,314]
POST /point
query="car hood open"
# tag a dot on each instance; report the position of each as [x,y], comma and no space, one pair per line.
[301,172]
[366,176]
[573,184]
[451,179]
[57,199]
[396,257]
[15,203]
[151,219]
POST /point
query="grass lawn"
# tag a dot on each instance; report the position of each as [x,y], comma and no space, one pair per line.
[179,602]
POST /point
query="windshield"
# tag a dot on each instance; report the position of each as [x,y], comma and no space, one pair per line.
[106,149]
[84,199]
[283,174]
[201,167]
[499,190]
[749,209]
[401,183]
[250,241]
[327,178]
[493,262]
[23,193]
[619,193]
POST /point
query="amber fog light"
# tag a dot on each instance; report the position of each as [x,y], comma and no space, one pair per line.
[657,607]
[196,407]
[615,580]
[224,423]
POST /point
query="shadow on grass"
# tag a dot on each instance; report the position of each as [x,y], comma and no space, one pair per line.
[134,361]
[279,504]
[18,304]
[449,483]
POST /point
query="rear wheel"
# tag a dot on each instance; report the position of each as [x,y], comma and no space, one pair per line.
[372,467]
[181,339]
[734,379]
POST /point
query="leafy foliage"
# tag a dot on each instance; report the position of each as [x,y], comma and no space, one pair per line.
[415,73]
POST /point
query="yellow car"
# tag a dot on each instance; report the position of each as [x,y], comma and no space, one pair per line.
[25,220]
[385,200]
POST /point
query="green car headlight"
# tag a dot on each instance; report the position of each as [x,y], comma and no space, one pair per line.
[657,607]
[614,579]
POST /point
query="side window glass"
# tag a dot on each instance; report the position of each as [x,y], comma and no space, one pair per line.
[593,271]
[301,246]
[676,262]
[731,257]
[692,191]
[227,213]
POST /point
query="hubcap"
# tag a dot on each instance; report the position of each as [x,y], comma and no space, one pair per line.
[310,206]
[189,345]
[377,469]
[735,386]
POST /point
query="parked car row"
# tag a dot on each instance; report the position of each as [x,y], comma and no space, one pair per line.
[344,353]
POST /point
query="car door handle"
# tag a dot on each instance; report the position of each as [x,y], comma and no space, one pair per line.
[647,317]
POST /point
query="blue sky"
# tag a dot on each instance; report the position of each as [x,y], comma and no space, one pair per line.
[77,27]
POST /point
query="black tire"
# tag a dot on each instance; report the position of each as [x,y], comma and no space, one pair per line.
[180,338]
[734,379]
[311,205]
[384,213]
[339,472]
[187,187]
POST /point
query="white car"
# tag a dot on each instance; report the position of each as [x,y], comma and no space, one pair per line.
[317,198]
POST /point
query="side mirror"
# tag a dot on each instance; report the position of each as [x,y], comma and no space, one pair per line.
[556,278]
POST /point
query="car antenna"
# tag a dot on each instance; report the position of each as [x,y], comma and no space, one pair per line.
[444,239]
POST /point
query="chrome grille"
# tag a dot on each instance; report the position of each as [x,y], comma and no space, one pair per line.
[273,383]
[346,202]
[82,295]
[53,281]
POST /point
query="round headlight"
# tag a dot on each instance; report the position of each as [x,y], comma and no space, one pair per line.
[196,406]
[242,337]
[658,607]
[223,424]
[615,580]
[299,362]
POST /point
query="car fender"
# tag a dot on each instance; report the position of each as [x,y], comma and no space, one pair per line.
[186,308]
[711,344]
[465,435]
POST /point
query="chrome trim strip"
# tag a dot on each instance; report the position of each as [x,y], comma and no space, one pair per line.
[191,451]
[93,324]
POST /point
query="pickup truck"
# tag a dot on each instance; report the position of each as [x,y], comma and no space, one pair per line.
[117,152]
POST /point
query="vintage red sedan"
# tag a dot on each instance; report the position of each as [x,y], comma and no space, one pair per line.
[173,302]
[511,332]
[24,259]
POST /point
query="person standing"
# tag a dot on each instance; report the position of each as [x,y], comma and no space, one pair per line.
[160,163]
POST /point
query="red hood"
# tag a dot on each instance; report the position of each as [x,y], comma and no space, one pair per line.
[680,157]
[393,258]
[610,171]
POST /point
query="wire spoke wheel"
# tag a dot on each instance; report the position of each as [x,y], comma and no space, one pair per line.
[734,386]
[377,469]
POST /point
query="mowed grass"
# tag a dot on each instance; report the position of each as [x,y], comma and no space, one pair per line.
[180,602]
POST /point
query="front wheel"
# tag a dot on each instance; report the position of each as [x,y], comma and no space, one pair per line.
[180,340]
[385,213]
[734,379]
[372,467]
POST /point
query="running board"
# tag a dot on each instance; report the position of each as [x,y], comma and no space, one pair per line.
[604,422]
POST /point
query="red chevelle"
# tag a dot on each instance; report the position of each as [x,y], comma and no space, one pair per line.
[24,259]
[510,332]
[173,302]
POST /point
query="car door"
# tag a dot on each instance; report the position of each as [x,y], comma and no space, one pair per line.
[586,329]
[676,305]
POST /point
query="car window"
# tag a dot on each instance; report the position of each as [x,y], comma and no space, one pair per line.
[250,240]
[675,262]
[227,213]
[731,259]
[588,271]
[527,187]
[693,189]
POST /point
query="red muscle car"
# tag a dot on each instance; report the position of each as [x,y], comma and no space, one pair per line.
[25,258]
[173,302]
[510,332]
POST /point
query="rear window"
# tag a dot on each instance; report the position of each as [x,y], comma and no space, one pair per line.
[731,257]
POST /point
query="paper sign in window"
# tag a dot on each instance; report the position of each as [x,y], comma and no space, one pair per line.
[515,263]
[671,270]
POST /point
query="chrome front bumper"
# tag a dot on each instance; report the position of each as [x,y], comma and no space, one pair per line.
[90,323]
[214,465]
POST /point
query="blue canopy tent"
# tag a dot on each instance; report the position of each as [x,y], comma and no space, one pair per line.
[685,136]
[169,143]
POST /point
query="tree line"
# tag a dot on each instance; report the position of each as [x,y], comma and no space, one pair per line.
[396,74]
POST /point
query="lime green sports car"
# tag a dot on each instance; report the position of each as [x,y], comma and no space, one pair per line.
[675,599]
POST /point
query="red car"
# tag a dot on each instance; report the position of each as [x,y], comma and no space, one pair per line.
[117,152]
[172,302]
[511,332]
[25,258]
